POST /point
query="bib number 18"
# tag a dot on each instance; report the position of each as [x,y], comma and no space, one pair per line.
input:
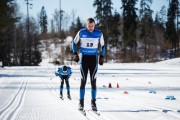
[89,44]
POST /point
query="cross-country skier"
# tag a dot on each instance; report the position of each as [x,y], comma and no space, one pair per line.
[89,39]
[64,73]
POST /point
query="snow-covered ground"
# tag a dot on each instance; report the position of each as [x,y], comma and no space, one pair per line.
[32,93]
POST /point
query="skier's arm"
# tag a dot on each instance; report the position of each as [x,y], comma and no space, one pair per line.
[61,76]
[56,73]
[70,73]
[74,47]
[74,42]
[102,46]
[101,58]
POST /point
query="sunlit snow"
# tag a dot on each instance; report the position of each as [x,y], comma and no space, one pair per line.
[32,93]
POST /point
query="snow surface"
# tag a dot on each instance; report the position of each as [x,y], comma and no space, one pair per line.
[32,93]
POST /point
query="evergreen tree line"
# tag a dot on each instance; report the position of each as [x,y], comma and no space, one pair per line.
[130,36]
[134,36]
[19,36]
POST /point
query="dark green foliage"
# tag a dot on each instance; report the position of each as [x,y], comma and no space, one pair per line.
[14,46]
[146,27]
[6,15]
[7,21]
[114,31]
[78,25]
[103,17]
[36,57]
[75,27]
[99,14]
[43,20]
[129,22]
[171,33]
[103,13]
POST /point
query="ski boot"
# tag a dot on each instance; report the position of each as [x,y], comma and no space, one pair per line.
[93,105]
[68,95]
[61,95]
[81,105]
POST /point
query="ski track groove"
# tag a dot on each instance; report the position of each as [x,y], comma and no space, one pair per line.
[11,101]
[56,95]
[98,117]
[89,114]
[14,103]
[20,102]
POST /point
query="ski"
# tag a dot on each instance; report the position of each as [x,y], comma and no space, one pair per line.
[61,98]
[83,112]
[69,97]
[97,112]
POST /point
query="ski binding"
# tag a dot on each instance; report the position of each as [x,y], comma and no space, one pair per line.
[83,112]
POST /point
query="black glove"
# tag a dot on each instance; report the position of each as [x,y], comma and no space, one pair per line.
[101,60]
[56,74]
[76,58]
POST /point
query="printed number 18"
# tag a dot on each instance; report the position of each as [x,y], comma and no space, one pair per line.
[89,44]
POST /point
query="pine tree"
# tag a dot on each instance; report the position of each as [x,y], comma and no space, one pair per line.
[146,26]
[170,24]
[52,27]
[103,12]
[159,25]
[129,24]
[114,32]
[99,11]
[6,17]
[103,16]
[7,21]
[78,25]
[43,21]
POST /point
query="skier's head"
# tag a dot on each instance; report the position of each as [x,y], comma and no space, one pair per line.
[64,68]
[90,25]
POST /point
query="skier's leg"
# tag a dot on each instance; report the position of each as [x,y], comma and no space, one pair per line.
[67,84]
[61,87]
[93,83]
[93,90]
[83,83]
[68,88]
[84,72]
[93,75]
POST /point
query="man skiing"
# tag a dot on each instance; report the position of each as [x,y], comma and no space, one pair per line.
[64,73]
[89,39]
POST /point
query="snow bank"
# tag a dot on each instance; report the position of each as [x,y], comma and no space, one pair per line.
[171,62]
